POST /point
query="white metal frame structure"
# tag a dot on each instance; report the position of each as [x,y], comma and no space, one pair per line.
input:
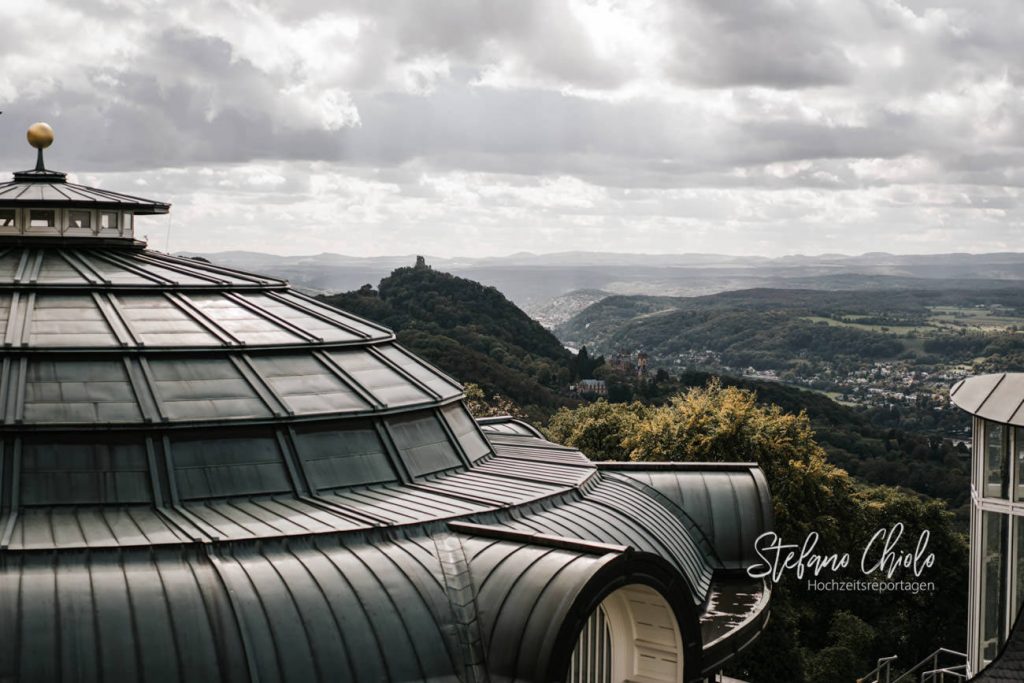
[57,222]
[632,636]
[995,502]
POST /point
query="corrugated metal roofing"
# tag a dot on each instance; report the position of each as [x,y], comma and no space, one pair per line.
[276,609]
[613,512]
[205,475]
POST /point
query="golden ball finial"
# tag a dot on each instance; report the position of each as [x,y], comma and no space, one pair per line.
[40,135]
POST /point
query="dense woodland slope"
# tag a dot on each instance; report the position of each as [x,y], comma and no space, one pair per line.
[471,332]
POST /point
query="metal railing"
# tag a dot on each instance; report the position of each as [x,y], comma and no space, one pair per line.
[954,673]
[881,673]
[933,665]
[928,670]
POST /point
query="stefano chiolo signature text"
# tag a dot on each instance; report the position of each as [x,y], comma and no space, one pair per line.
[881,555]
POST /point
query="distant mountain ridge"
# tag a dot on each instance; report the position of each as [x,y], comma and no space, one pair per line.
[539,283]
[578,258]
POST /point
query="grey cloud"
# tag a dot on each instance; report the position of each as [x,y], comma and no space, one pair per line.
[759,110]
[543,35]
[191,100]
[774,43]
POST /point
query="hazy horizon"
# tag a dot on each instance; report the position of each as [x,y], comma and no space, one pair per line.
[597,252]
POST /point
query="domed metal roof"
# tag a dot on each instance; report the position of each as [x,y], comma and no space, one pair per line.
[996,397]
[206,475]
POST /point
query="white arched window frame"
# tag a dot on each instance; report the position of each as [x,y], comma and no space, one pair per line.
[632,635]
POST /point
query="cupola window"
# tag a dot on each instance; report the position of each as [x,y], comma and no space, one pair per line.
[1018,467]
[7,218]
[42,218]
[108,220]
[80,219]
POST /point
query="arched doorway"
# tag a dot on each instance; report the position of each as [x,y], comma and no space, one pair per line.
[633,634]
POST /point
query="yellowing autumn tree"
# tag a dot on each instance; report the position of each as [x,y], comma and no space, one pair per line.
[599,429]
[720,424]
[480,405]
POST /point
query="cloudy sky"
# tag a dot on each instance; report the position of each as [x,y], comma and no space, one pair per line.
[487,128]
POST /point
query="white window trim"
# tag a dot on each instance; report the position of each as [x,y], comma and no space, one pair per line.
[1014,511]
[124,223]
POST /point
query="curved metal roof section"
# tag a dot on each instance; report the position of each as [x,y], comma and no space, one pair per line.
[539,596]
[730,502]
[101,339]
[66,265]
[611,511]
[314,611]
[998,397]
[206,475]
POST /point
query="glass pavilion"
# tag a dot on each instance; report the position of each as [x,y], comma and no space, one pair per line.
[996,593]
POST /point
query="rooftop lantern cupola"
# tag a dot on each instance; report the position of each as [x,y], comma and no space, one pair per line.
[41,203]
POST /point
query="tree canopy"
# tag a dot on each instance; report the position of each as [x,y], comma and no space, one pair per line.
[813,636]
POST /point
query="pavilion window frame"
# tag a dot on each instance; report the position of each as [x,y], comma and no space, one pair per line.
[54,223]
[90,221]
[1012,510]
[1003,487]
[108,213]
[1014,591]
[1005,585]
[1016,463]
[18,226]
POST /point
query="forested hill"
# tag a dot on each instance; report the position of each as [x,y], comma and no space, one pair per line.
[873,453]
[468,330]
